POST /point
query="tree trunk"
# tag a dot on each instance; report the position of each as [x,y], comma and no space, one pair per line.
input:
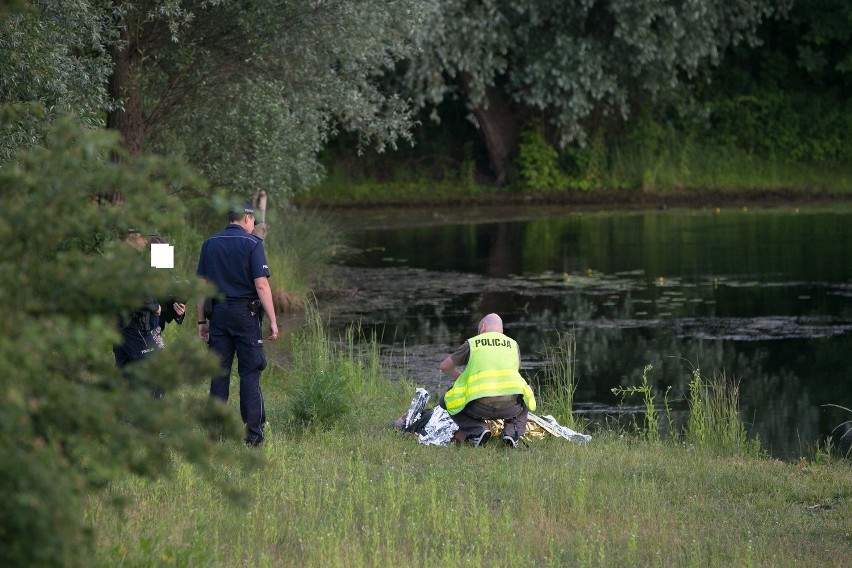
[501,129]
[129,118]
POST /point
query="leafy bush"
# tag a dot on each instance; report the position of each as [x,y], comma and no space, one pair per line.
[69,420]
[538,164]
[786,127]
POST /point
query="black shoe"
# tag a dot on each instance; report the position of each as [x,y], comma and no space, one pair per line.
[254,442]
[510,442]
[481,439]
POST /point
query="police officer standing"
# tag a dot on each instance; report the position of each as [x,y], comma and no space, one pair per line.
[234,260]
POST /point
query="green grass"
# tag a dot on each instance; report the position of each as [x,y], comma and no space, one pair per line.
[675,164]
[683,165]
[343,489]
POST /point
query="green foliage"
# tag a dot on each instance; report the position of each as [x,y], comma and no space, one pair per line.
[329,380]
[359,494]
[318,395]
[251,91]
[411,187]
[302,246]
[573,62]
[714,424]
[538,164]
[70,421]
[714,419]
[558,384]
[53,60]
[247,92]
[651,429]
[784,127]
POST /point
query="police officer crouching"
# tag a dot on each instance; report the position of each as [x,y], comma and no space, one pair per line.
[137,328]
[234,260]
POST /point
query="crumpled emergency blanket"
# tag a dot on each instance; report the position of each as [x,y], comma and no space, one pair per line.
[439,429]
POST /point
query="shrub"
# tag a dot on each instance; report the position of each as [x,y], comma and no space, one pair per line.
[69,421]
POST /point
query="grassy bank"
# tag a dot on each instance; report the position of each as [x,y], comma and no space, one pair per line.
[339,488]
[669,167]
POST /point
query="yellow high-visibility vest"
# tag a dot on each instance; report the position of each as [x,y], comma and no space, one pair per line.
[491,371]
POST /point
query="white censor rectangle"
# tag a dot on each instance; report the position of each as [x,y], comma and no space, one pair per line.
[162,255]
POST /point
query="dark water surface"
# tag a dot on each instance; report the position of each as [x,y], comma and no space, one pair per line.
[764,295]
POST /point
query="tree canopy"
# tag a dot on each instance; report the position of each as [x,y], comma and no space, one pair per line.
[53,60]
[566,66]
[247,92]
[271,81]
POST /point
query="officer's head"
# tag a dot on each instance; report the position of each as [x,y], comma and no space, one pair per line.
[135,238]
[242,216]
[491,322]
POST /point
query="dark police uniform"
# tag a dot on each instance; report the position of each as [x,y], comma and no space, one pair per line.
[137,329]
[137,337]
[232,259]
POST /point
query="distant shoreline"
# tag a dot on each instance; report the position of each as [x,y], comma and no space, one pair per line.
[424,213]
[597,200]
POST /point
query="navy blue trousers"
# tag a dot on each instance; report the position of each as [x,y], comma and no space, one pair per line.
[233,330]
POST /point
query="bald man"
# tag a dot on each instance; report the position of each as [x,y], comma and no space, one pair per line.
[490,387]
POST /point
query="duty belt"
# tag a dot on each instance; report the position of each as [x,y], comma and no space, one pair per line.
[253,305]
[238,301]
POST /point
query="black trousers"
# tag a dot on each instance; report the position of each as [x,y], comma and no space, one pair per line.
[234,330]
[471,419]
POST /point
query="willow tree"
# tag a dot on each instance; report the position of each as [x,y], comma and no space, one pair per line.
[53,60]
[568,65]
[246,91]
[249,91]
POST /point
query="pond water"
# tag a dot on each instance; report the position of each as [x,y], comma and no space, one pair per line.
[762,295]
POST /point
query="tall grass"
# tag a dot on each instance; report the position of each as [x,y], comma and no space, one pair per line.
[654,160]
[714,423]
[559,381]
[330,378]
[301,247]
[714,419]
[684,164]
[356,493]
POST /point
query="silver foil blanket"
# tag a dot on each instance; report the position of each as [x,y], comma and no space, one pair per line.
[415,409]
[439,430]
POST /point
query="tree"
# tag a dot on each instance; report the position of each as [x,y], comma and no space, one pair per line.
[53,61]
[567,66]
[69,421]
[247,92]
[788,100]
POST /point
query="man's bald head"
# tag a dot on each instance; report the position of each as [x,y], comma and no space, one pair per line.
[491,322]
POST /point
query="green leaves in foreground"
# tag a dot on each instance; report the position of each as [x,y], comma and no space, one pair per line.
[69,421]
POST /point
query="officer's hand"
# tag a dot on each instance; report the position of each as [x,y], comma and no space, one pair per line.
[204,331]
[273,330]
[180,309]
